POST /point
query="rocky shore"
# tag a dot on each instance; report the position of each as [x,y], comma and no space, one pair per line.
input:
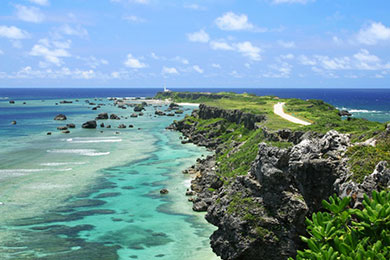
[261,215]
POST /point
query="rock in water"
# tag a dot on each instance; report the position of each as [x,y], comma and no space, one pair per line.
[13,122]
[114,117]
[71,125]
[62,128]
[102,116]
[60,117]
[12,102]
[90,124]
[122,126]
[164,191]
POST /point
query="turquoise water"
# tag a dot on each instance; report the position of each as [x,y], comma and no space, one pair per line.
[92,194]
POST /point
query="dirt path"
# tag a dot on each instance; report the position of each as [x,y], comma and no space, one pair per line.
[278,110]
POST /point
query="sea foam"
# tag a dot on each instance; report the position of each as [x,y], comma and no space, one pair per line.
[86,152]
[85,140]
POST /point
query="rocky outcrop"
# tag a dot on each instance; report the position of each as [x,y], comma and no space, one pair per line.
[90,124]
[60,117]
[189,95]
[114,117]
[102,116]
[235,116]
[344,113]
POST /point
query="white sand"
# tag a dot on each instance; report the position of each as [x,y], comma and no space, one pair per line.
[278,110]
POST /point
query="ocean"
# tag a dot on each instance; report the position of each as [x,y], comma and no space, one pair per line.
[94,194]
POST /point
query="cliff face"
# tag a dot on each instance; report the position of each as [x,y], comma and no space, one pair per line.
[262,214]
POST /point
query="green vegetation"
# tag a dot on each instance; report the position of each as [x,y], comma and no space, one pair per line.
[343,233]
[324,117]
[363,159]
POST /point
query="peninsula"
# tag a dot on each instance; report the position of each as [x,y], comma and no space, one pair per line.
[274,164]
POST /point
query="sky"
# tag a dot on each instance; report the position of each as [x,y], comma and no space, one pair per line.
[188,43]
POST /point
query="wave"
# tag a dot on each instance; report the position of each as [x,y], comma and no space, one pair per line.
[82,140]
[4,98]
[21,172]
[62,163]
[86,152]
[352,110]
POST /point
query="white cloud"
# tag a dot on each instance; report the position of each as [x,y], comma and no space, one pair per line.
[94,62]
[337,40]
[134,19]
[304,60]
[29,14]
[220,45]
[181,60]
[40,2]
[248,50]
[200,36]
[74,31]
[291,1]
[215,65]
[374,33]
[287,45]
[280,70]
[361,60]
[289,56]
[198,69]
[51,51]
[13,33]
[134,63]
[169,70]
[234,22]
[195,7]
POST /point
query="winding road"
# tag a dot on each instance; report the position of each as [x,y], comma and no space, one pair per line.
[278,110]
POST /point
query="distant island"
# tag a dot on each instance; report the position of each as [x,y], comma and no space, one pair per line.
[269,172]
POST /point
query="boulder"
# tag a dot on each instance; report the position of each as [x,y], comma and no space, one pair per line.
[114,117]
[12,102]
[60,117]
[48,133]
[62,128]
[134,115]
[90,124]
[102,125]
[131,126]
[122,126]
[164,191]
[71,125]
[159,113]
[344,113]
[102,116]
[13,122]
[66,102]
[66,132]
[108,126]
[139,108]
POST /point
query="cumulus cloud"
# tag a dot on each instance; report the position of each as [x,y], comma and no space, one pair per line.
[236,22]
[51,51]
[216,65]
[198,69]
[362,60]
[12,32]
[200,36]
[29,14]
[287,45]
[134,63]
[373,33]
[40,2]
[73,30]
[221,45]
[248,50]
[169,70]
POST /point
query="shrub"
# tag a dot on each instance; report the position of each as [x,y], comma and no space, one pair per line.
[343,233]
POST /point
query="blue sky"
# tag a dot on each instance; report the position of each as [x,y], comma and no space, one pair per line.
[213,43]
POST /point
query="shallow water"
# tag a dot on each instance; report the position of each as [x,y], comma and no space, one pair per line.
[93,195]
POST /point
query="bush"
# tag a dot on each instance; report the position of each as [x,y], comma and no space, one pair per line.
[350,234]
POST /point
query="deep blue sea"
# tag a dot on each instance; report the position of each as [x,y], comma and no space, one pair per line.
[94,193]
[373,104]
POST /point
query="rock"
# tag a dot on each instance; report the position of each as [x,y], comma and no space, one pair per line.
[179,112]
[12,102]
[190,193]
[61,128]
[90,124]
[24,103]
[108,126]
[102,116]
[114,117]
[13,122]
[48,133]
[102,125]
[141,114]
[66,102]
[171,114]
[159,113]
[66,132]
[71,125]
[344,113]
[131,126]
[134,115]
[122,126]
[94,108]
[60,117]
[164,191]
[200,206]
[139,108]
